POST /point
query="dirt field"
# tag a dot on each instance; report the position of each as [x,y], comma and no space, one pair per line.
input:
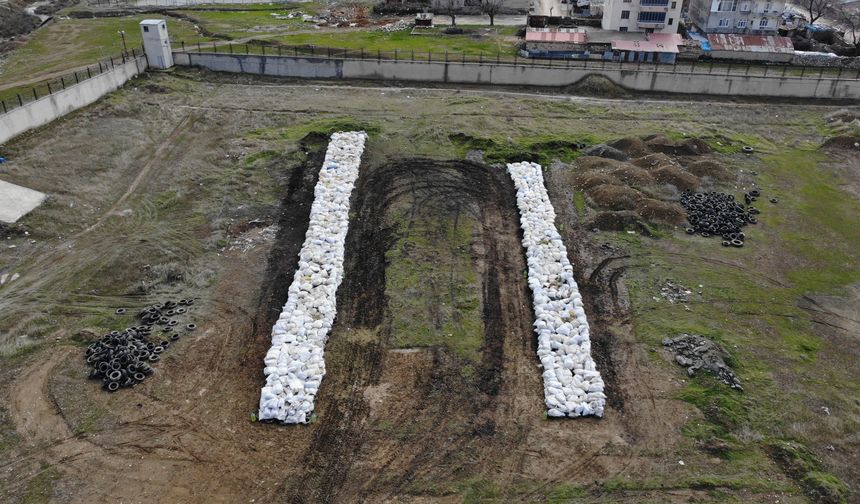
[199,186]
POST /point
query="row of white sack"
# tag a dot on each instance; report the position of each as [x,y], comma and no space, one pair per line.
[572,384]
[295,363]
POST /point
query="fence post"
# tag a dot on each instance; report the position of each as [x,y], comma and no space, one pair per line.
[765,70]
[89,75]
[711,69]
[198,46]
[111,62]
[446,56]
[497,58]
[214,47]
[133,54]
[4,106]
[517,55]
[362,53]
[820,73]
[329,53]
[784,68]
[35,96]
[413,54]
[100,67]
[840,73]
[378,54]
[396,54]
[50,91]
[183,46]
[63,82]
[857,77]
[803,71]
[481,58]
[20,101]
[429,56]
[747,72]
[263,49]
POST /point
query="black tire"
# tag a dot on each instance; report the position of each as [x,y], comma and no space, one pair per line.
[190,327]
[112,386]
[174,337]
[747,149]
[691,231]
[774,200]
[120,311]
[726,243]
[153,358]
[737,243]
[139,376]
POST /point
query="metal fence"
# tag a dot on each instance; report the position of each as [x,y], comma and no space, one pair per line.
[715,68]
[13,98]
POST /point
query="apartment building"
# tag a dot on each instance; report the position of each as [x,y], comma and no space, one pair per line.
[736,16]
[651,16]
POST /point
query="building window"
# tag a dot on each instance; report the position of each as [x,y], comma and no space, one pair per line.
[727,6]
[670,21]
[652,17]
[146,28]
[742,23]
[627,1]
[622,29]
[762,23]
[724,23]
[768,6]
[625,14]
[674,5]
[745,7]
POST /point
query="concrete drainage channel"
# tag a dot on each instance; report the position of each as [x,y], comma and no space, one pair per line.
[125,358]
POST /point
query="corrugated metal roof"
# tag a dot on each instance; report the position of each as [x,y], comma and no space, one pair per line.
[750,43]
[644,46]
[666,38]
[556,36]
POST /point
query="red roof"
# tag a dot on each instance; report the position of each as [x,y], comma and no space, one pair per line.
[644,46]
[750,43]
[556,36]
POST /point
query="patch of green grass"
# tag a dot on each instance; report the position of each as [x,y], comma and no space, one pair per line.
[565,493]
[579,203]
[432,284]
[253,19]
[802,465]
[537,149]
[322,126]
[481,491]
[405,43]
[70,43]
[40,488]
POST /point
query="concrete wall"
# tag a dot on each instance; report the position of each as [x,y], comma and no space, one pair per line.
[180,3]
[48,108]
[664,81]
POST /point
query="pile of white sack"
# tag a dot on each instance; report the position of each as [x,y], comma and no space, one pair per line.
[294,364]
[572,385]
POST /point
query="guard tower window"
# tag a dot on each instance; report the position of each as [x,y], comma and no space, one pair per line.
[146,28]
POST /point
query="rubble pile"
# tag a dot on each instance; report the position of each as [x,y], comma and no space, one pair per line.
[699,353]
[399,25]
[572,385]
[294,365]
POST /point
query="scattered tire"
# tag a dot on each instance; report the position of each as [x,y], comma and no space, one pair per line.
[747,149]
[737,243]
[774,200]
[123,358]
[190,327]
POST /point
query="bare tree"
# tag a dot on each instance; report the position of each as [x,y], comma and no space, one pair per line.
[491,8]
[847,17]
[816,8]
[449,8]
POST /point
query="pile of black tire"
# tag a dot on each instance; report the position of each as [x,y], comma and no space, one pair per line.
[125,358]
[718,214]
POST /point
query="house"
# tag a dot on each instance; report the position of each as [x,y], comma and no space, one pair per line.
[650,16]
[750,47]
[657,48]
[550,43]
[747,17]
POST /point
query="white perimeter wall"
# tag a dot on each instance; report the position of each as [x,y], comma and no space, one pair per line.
[509,75]
[48,108]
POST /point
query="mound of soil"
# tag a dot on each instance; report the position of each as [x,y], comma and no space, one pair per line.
[654,210]
[632,146]
[597,85]
[606,151]
[633,176]
[614,197]
[677,177]
[617,221]
[842,142]
[598,163]
[653,160]
[688,147]
[594,178]
[710,168]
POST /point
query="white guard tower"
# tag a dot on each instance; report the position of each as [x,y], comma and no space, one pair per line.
[156,43]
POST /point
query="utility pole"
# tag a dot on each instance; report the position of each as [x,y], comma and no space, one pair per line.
[122,34]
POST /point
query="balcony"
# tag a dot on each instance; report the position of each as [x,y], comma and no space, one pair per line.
[657,25]
[654,3]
